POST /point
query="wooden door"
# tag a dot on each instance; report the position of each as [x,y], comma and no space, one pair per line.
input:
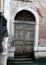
[24,37]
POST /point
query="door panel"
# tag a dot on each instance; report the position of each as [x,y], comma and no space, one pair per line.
[24,36]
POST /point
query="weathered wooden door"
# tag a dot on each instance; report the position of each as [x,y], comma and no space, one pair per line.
[24,36]
[24,32]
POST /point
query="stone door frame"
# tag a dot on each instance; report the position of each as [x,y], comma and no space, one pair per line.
[36,26]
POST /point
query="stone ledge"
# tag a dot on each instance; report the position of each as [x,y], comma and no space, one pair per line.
[40,52]
[11,52]
[12,49]
[4,53]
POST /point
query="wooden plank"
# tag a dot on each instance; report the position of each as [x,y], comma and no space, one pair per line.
[25,30]
[25,22]
[23,27]
[31,40]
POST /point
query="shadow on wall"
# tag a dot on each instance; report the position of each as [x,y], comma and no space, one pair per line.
[3,30]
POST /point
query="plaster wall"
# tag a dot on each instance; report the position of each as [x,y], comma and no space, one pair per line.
[39,7]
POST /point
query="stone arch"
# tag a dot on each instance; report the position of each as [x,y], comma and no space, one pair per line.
[24,15]
[36,26]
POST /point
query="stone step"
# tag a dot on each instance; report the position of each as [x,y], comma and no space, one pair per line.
[25,60]
[24,56]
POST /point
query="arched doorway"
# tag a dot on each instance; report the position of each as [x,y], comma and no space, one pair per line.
[25,33]
[25,30]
